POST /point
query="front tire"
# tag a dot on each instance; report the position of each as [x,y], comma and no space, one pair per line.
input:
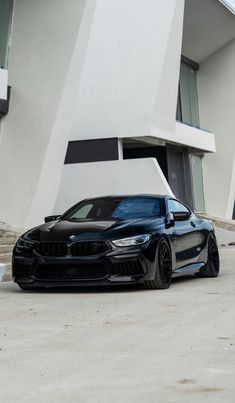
[163,267]
[211,268]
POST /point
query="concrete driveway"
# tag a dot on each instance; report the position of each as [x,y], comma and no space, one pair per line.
[121,345]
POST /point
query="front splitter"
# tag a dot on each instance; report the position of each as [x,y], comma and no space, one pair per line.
[78,283]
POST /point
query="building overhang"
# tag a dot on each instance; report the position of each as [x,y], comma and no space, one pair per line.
[194,137]
[208,26]
[184,135]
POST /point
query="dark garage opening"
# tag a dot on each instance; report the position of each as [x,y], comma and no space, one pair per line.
[140,150]
[173,161]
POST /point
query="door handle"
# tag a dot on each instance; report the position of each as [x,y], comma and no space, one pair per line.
[193,224]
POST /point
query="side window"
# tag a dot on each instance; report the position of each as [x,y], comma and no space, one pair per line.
[82,212]
[175,206]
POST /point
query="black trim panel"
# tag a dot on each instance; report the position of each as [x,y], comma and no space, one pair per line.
[190,62]
[4,103]
[92,151]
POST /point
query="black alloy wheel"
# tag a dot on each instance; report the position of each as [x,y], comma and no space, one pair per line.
[163,267]
[211,268]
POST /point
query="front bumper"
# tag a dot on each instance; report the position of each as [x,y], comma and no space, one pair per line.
[127,267]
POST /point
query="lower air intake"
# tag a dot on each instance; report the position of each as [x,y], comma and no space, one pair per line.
[127,268]
[70,271]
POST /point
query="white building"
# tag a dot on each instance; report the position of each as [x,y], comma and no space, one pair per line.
[116,96]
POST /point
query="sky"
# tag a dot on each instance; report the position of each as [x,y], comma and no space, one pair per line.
[231,3]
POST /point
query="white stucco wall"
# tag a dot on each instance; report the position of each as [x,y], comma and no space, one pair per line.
[216,88]
[130,77]
[80,181]
[49,180]
[129,84]
[43,38]
[93,69]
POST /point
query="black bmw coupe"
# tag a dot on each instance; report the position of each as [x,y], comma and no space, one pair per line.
[145,239]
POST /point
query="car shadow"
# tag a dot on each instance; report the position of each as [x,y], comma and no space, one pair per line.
[101,289]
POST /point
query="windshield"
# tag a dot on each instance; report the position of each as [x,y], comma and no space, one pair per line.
[117,208]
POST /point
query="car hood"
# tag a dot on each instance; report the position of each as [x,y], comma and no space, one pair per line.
[95,229]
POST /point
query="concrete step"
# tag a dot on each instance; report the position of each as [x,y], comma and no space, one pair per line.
[5,257]
[7,276]
[6,248]
[5,271]
[8,240]
[8,234]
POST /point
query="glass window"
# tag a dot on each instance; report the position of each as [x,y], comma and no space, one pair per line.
[174,206]
[6,7]
[178,110]
[197,181]
[138,207]
[187,108]
[119,208]
[82,212]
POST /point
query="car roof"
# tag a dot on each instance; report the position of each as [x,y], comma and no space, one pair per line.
[127,196]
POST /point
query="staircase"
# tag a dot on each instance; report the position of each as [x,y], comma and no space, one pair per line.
[8,237]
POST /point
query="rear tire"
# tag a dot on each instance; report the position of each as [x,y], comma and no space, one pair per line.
[163,267]
[211,268]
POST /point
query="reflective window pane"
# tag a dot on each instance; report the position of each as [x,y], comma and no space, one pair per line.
[197,179]
[188,96]
[6,7]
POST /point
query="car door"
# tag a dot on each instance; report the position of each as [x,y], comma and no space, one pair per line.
[188,238]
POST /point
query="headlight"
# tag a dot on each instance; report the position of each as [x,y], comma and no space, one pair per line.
[132,241]
[24,244]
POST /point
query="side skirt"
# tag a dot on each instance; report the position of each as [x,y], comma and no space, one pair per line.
[186,270]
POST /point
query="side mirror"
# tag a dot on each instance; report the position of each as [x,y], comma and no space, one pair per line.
[169,222]
[52,218]
[181,215]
